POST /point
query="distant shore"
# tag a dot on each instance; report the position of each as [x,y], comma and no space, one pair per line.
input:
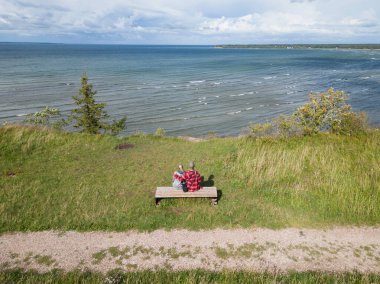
[302,46]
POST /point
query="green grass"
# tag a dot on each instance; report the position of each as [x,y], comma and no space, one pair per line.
[72,181]
[186,277]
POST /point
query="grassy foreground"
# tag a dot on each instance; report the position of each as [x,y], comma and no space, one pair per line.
[195,276]
[72,181]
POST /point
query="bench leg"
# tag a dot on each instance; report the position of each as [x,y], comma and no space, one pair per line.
[214,201]
[157,201]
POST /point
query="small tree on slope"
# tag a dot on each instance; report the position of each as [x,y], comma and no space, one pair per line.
[90,116]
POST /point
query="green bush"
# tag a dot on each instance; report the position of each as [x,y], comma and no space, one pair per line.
[160,132]
[45,117]
[261,129]
[324,112]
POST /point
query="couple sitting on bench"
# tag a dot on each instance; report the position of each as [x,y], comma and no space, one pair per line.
[187,180]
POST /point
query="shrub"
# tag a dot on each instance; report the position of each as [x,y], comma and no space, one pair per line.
[326,111]
[160,132]
[323,112]
[261,129]
[45,116]
[353,123]
[286,126]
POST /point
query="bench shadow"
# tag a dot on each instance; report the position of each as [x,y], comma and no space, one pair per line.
[220,194]
[208,182]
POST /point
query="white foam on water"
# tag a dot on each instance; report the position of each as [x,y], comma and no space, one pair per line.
[289,93]
[261,105]
[287,74]
[185,118]
[217,83]
[216,96]
[196,81]
[234,112]
[269,77]
[205,103]
[277,104]
[249,108]
[21,114]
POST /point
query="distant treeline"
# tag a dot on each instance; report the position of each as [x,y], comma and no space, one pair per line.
[290,46]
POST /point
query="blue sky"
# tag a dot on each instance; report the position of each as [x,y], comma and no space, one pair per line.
[191,21]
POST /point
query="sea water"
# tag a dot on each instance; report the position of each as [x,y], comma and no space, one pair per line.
[187,90]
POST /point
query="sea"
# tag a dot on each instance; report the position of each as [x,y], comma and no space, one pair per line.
[186,90]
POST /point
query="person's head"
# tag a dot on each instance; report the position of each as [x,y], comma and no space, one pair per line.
[192,165]
[180,166]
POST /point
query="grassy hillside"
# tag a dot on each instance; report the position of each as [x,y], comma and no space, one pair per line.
[72,181]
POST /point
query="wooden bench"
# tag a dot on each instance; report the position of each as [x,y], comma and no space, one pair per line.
[170,192]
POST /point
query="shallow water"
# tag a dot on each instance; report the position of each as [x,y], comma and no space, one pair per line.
[187,90]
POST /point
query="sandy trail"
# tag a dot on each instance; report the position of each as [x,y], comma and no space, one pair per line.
[338,249]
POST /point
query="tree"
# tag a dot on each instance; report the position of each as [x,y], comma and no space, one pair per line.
[90,116]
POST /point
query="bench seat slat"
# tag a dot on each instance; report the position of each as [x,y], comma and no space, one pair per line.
[170,192]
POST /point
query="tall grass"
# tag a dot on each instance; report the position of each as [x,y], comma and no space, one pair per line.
[186,277]
[71,181]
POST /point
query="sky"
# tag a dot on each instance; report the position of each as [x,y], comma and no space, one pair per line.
[190,21]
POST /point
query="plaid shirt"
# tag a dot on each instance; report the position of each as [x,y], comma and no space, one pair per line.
[193,180]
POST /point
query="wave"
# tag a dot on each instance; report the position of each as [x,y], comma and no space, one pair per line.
[197,81]
[234,112]
[269,77]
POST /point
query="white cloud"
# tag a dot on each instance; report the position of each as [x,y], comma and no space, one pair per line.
[184,22]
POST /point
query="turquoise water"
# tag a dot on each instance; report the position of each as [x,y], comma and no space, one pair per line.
[187,90]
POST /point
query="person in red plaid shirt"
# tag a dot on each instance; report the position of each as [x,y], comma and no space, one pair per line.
[193,178]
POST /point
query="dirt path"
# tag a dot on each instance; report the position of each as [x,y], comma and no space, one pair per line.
[339,249]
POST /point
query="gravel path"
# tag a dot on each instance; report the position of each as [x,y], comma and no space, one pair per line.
[339,249]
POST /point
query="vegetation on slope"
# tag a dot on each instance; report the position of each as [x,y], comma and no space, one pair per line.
[194,276]
[76,181]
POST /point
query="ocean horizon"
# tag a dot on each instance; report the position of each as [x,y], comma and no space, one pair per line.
[187,90]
